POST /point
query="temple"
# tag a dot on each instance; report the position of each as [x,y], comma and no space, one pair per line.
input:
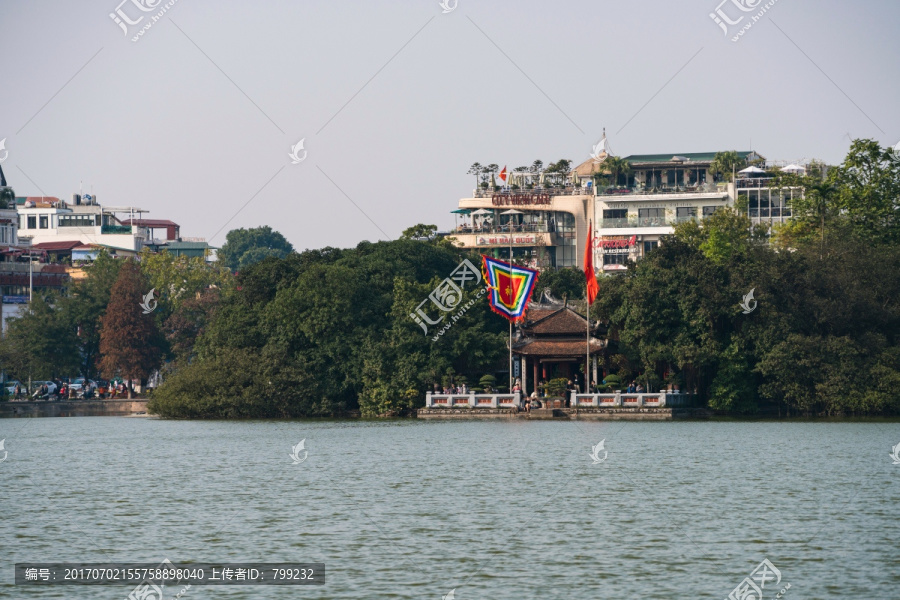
[552,342]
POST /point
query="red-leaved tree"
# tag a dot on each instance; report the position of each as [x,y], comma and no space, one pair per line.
[130,342]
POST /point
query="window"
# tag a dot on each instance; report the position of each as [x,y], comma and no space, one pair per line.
[566,256]
[686,212]
[44,221]
[76,221]
[670,177]
[651,217]
[614,259]
[648,246]
[708,210]
[32,222]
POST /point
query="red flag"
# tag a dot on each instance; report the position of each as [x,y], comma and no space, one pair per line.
[592,286]
[503,174]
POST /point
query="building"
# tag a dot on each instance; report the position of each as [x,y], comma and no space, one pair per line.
[765,205]
[552,342]
[656,193]
[46,219]
[541,224]
[541,219]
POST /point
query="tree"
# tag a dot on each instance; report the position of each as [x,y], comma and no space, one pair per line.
[562,166]
[419,232]
[567,283]
[726,164]
[178,279]
[244,247]
[7,197]
[39,344]
[815,203]
[85,305]
[615,166]
[868,185]
[537,166]
[475,170]
[130,344]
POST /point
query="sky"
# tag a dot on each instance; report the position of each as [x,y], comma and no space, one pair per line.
[196,120]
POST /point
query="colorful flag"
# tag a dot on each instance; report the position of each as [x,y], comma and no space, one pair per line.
[592,286]
[503,174]
[509,287]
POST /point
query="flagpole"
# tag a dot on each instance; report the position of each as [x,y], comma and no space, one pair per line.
[509,291]
[587,304]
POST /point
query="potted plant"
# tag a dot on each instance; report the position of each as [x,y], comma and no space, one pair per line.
[612,383]
[488,383]
[674,381]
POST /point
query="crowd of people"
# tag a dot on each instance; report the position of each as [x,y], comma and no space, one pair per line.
[62,390]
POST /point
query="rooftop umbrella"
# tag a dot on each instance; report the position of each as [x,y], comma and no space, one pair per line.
[482,211]
[461,211]
[750,170]
[794,169]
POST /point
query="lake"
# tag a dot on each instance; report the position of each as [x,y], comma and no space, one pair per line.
[493,510]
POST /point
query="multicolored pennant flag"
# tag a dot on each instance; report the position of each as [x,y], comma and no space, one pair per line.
[509,287]
[592,286]
[503,174]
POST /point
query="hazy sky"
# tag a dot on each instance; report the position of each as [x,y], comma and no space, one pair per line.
[396,99]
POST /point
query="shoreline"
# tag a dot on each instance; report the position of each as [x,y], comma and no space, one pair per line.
[75,408]
[137,408]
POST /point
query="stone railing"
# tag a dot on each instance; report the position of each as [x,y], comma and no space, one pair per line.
[473,400]
[623,399]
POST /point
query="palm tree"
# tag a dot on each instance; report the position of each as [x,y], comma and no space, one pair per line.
[537,166]
[616,166]
[726,163]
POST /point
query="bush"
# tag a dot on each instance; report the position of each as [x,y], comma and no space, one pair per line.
[488,381]
[556,387]
[612,382]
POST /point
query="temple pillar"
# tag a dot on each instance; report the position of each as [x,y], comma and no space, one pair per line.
[523,363]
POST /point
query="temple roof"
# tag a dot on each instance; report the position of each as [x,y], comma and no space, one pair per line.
[557,348]
[562,321]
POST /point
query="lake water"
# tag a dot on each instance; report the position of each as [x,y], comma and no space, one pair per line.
[494,510]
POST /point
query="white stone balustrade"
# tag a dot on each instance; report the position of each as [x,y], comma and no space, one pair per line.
[655,400]
[472,400]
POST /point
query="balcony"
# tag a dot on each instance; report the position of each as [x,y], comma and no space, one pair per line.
[552,191]
[671,192]
[637,222]
[753,182]
[115,229]
[539,227]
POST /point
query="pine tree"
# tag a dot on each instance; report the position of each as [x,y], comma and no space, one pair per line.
[129,339]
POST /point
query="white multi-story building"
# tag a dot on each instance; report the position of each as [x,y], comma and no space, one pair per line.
[657,192]
[44,220]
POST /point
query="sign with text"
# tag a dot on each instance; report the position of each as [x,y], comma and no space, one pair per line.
[504,240]
[616,244]
[520,199]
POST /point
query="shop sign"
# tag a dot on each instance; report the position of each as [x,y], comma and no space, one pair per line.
[504,240]
[520,199]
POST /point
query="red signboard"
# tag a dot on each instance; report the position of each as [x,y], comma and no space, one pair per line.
[617,242]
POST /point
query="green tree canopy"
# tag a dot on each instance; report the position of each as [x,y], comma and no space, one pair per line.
[244,247]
